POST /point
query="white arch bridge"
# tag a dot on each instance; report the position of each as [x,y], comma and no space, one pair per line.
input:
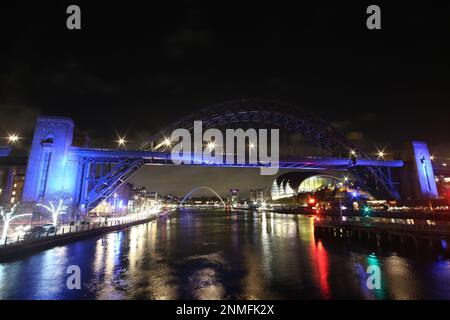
[198,188]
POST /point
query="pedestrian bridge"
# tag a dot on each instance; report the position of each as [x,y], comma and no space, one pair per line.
[199,188]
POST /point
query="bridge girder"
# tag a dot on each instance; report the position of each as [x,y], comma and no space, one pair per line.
[313,129]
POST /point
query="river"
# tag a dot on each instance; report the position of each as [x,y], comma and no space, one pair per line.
[224,255]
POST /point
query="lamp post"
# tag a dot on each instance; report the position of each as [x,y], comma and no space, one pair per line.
[121,142]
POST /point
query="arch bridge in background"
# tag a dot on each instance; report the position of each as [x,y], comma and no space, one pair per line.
[198,188]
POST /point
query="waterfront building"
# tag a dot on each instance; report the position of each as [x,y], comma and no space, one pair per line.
[258,196]
[233,197]
[291,184]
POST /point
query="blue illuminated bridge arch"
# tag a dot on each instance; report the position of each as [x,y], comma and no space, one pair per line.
[198,188]
[91,175]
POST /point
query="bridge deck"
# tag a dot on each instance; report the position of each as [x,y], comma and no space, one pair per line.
[164,158]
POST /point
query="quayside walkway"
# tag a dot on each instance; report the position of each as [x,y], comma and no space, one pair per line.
[13,247]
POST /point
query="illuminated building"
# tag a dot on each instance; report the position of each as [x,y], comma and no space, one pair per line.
[259,195]
[292,183]
[233,197]
[12,176]
[121,197]
[17,188]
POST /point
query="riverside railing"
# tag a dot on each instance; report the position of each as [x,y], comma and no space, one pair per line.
[59,231]
[411,225]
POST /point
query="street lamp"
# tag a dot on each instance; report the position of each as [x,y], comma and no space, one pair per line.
[13,138]
[121,142]
[167,142]
[381,154]
[211,145]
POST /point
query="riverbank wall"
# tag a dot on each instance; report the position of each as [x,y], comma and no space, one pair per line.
[25,247]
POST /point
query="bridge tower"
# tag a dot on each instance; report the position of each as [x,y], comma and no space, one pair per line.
[48,170]
[418,180]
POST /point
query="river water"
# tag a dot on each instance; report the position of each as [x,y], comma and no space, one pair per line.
[224,255]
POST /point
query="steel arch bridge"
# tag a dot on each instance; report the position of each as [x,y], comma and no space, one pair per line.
[92,175]
[260,112]
[202,187]
[314,130]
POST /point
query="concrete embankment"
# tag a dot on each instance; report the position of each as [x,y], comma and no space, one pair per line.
[26,247]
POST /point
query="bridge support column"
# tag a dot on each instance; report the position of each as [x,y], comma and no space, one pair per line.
[49,163]
[418,180]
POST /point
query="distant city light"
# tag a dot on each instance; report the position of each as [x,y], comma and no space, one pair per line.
[444,164]
[353,152]
[251,145]
[381,154]
[432,157]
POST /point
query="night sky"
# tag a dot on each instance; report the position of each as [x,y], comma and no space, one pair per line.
[135,67]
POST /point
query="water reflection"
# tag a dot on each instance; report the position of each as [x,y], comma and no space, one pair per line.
[319,259]
[222,255]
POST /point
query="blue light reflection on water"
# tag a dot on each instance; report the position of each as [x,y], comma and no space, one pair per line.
[222,255]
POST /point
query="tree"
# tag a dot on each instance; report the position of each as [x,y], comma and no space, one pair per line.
[57,206]
[7,217]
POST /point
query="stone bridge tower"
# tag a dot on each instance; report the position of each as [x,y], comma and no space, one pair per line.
[48,171]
